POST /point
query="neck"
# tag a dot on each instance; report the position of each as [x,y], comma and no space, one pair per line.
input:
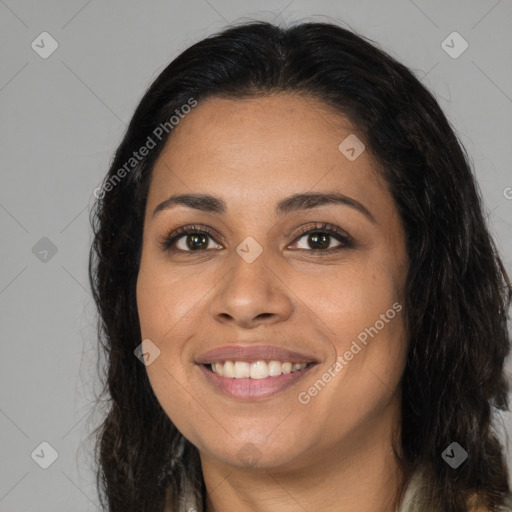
[361,474]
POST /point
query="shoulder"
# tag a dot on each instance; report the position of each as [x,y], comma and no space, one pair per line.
[188,502]
[412,500]
[507,506]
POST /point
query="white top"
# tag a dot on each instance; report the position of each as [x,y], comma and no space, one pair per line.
[412,497]
[410,501]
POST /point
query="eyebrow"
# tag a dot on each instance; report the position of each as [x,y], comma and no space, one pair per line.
[295,202]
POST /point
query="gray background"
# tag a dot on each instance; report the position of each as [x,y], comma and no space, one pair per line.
[62,118]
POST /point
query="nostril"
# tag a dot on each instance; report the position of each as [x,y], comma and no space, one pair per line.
[264,315]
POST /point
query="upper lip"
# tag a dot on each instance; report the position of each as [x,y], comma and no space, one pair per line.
[252,353]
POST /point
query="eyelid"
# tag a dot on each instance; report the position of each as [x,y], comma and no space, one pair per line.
[324,227]
[347,241]
[168,241]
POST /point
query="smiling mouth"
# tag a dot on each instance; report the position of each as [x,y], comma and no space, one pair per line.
[256,369]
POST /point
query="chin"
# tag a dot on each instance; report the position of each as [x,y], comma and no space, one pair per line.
[253,455]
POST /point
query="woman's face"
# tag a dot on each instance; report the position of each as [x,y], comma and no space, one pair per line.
[303,261]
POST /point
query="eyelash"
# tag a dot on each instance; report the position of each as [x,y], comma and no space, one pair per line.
[346,241]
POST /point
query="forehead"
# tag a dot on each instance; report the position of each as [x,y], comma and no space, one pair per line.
[262,147]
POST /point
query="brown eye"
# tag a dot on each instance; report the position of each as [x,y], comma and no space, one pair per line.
[194,241]
[318,241]
[323,238]
[189,239]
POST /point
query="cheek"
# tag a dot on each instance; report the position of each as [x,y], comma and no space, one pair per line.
[348,298]
[361,313]
[165,301]
[163,308]
[365,322]
[371,326]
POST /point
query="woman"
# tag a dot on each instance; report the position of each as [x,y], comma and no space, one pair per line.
[301,304]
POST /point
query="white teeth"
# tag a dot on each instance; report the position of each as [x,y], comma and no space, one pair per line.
[218,368]
[255,370]
[287,367]
[228,370]
[242,370]
[259,370]
[274,368]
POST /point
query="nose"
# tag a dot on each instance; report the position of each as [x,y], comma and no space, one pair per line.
[251,294]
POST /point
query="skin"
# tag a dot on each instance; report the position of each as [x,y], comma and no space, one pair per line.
[333,453]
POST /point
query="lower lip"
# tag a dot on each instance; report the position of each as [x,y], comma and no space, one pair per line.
[251,389]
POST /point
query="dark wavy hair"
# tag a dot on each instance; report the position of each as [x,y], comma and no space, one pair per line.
[457,293]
